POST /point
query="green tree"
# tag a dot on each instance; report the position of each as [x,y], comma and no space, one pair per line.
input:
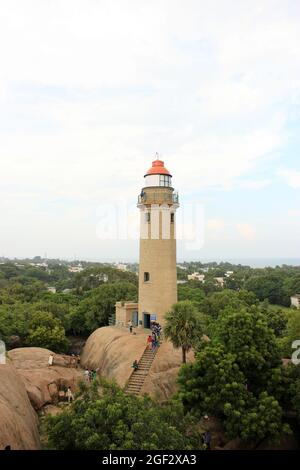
[182,326]
[46,331]
[246,334]
[214,384]
[94,310]
[211,381]
[215,303]
[262,419]
[114,420]
[291,333]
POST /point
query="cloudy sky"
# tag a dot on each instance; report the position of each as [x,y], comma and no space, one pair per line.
[91,89]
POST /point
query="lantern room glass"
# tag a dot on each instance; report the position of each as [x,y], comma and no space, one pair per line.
[164,180]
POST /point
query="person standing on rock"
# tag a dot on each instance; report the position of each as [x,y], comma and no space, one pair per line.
[69,395]
[50,360]
[87,375]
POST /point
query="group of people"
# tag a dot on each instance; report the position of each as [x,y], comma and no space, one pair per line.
[90,375]
[154,338]
[75,361]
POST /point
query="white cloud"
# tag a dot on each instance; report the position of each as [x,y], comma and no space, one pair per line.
[90,90]
[294,213]
[291,177]
[247,231]
[254,184]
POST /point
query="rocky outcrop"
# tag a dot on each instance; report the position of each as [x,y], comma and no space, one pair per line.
[162,377]
[18,420]
[112,351]
[42,382]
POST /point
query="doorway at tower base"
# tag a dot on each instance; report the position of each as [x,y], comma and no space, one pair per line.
[127,312]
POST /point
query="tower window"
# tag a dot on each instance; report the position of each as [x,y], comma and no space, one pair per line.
[146,277]
[147,217]
[172,217]
[164,180]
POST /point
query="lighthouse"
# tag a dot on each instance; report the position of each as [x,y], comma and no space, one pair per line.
[157,203]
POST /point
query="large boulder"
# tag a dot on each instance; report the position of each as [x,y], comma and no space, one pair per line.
[18,420]
[42,382]
[111,350]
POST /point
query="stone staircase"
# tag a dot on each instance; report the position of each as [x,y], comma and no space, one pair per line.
[138,376]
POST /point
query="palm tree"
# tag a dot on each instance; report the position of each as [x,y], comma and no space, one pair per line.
[182,326]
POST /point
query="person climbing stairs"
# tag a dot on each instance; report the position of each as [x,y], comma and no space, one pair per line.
[139,374]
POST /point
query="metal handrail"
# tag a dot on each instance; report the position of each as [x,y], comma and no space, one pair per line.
[158,198]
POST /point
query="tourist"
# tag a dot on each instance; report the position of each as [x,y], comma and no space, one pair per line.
[69,395]
[149,341]
[135,365]
[207,440]
[130,326]
[86,375]
[50,360]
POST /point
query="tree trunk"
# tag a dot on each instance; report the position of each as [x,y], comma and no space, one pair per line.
[183,355]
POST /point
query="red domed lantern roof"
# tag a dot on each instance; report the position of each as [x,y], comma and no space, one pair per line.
[158,168]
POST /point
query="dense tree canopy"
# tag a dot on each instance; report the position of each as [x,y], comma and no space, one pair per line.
[113,420]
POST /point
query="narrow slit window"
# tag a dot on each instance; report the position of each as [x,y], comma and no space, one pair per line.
[146,277]
[147,217]
[172,217]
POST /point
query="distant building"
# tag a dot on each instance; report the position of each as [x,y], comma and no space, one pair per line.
[39,265]
[102,277]
[229,273]
[295,301]
[126,312]
[52,290]
[67,291]
[75,269]
[181,281]
[219,281]
[196,277]
[121,267]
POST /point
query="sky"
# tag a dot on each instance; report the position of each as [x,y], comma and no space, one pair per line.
[90,90]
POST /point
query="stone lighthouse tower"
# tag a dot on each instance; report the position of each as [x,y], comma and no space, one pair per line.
[157,265]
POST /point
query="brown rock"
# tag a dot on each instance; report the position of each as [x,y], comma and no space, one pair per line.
[18,420]
[112,350]
[162,377]
[41,381]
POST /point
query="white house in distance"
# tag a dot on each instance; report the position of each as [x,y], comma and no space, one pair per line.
[75,269]
[219,281]
[51,289]
[228,273]
[121,266]
[295,300]
[196,277]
